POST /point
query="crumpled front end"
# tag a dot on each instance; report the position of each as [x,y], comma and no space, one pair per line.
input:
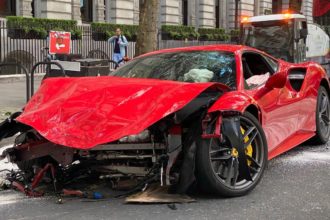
[130,131]
[85,112]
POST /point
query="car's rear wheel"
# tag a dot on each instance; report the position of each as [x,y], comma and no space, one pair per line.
[218,164]
[322,117]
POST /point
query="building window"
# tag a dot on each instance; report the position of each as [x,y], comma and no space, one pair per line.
[277,6]
[295,6]
[86,9]
[7,8]
[185,12]
[217,14]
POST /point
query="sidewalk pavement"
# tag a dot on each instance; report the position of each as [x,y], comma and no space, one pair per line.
[18,77]
[13,93]
[6,112]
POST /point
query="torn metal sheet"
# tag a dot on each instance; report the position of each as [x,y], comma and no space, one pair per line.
[97,110]
[158,194]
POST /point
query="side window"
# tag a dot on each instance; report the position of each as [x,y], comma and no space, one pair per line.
[272,63]
[256,70]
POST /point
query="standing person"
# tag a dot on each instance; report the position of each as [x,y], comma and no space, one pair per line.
[119,43]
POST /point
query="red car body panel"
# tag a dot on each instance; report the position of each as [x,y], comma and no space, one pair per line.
[88,111]
[84,112]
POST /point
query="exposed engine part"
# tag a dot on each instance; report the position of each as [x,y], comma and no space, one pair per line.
[174,149]
[162,175]
[114,155]
[137,171]
[17,180]
[30,151]
[157,154]
[126,184]
[144,136]
[130,146]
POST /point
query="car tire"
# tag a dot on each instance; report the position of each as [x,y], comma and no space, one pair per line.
[322,117]
[212,182]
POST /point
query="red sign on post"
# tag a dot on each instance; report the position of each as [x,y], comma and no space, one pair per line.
[59,42]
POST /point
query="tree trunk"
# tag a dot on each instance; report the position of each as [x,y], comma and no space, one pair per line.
[147,36]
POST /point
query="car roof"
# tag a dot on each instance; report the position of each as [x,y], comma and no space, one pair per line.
[222,47]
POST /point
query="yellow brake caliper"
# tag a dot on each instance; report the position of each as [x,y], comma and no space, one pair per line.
[248,150]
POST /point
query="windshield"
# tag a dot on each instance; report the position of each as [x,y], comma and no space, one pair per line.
[195,66]
[273,37]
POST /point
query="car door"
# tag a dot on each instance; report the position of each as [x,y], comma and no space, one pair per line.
[279,106]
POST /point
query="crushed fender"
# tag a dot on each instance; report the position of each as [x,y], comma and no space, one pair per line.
[232,130]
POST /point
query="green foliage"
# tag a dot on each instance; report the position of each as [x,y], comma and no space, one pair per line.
[180,32]
[178,28]
[76,33]
[203,31]
[40,32]
[234,35]
[39,27]
[109,34]
[8,113]
[217,34]
[106,30]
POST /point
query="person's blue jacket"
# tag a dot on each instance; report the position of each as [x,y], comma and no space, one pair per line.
[122,44]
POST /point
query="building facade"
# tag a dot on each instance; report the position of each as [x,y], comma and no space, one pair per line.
[199,13]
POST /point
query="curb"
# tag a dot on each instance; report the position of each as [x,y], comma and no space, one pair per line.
[18,77]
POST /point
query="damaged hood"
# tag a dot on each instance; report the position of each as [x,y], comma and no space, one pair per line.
[85,112]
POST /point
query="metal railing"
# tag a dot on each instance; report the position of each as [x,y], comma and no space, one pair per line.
[34,68]
[29,51]
[29,79]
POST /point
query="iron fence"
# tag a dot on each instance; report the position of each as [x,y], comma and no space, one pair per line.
[28,52]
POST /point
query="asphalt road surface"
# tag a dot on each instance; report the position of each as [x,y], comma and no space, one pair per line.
[296,185]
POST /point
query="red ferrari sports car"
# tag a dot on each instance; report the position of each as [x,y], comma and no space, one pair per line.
[211,115]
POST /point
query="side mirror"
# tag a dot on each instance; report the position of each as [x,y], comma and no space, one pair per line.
[277,80]
[303,33]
